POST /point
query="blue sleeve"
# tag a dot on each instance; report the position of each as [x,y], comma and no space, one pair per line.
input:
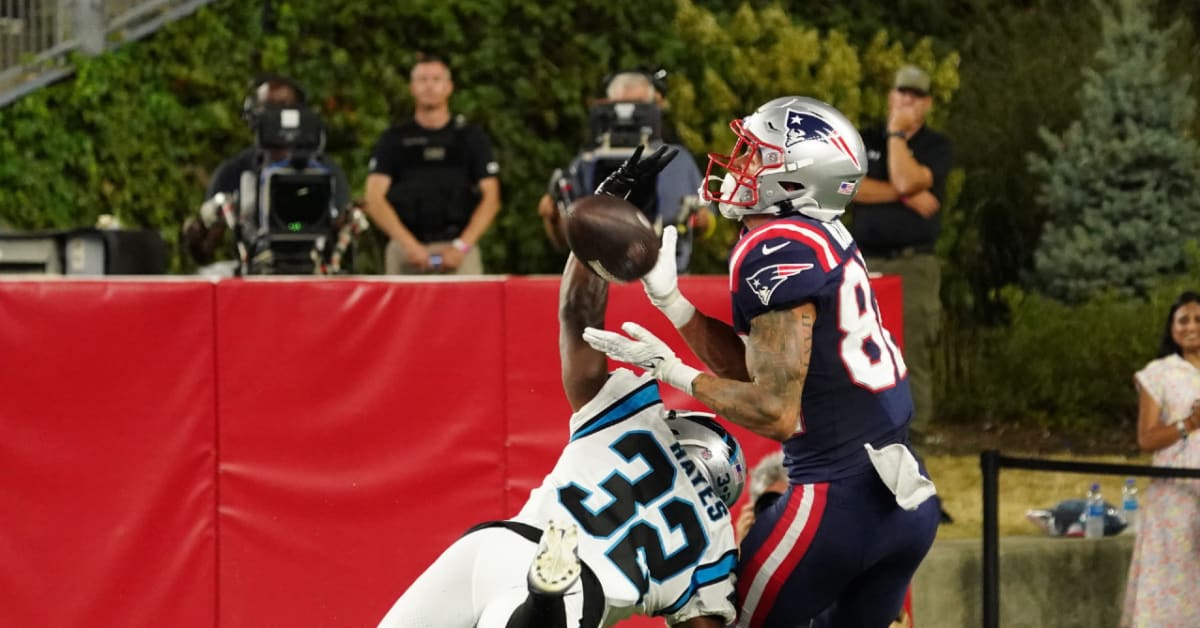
[680,179]
[582,174]
[341,185]
[777,273]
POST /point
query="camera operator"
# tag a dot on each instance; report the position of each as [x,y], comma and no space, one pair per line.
[628,116]
[204,233]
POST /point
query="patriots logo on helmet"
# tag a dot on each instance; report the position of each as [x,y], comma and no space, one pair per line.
[767,279]
[804,127]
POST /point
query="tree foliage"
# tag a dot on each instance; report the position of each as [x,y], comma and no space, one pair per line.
[1060,366]
[752,56]
[138,131]
[1121,185]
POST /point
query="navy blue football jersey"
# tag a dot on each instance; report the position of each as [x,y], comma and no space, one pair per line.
[856,390]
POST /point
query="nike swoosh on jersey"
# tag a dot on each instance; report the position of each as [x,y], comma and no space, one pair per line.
[767,249]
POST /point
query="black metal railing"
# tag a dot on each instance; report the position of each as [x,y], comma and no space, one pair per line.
[991,462]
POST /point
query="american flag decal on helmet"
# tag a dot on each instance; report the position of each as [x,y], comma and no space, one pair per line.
[803,126]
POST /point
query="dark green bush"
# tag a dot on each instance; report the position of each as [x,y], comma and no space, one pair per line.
[1055,366]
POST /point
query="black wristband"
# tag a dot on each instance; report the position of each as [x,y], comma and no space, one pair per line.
[899,134]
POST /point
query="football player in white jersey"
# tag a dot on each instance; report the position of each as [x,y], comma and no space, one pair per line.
[633,519]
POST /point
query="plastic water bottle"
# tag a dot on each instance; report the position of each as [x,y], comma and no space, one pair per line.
[1129,506]
[1093,523]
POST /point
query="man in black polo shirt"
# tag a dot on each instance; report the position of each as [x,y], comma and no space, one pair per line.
[433,186]
[896,221]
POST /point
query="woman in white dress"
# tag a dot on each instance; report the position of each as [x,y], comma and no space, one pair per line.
[1164,576]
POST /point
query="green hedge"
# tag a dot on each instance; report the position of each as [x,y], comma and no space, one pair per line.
[1064,367]
[138,131]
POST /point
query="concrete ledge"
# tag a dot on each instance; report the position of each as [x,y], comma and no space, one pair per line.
[1044,582]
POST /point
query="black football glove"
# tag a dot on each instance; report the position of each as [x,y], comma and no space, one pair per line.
[635,180]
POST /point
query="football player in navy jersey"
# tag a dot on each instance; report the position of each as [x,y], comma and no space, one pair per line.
[633,519]
[806,362]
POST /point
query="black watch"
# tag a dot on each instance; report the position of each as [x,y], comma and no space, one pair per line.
[899,134]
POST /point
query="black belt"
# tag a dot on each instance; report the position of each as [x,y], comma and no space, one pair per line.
[900,251]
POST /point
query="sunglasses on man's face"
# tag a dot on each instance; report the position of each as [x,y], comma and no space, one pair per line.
[915,93]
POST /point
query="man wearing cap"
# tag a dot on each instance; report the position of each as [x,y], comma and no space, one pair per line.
[675,201]
[896,221]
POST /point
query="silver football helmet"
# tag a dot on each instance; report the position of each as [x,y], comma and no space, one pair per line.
[793,154]
[713,450]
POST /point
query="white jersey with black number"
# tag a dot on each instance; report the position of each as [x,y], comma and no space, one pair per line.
[650,526]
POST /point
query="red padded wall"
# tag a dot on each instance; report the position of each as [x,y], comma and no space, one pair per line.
[889,292]
[275,452]
[536,409]
[361,432]
[106,454]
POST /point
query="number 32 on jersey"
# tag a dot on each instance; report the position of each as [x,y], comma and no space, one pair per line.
[638,534]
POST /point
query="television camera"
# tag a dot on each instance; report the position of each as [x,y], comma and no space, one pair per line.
[624,125]
[285,216]
[617,129]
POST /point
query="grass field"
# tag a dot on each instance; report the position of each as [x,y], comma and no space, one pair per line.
[960,483]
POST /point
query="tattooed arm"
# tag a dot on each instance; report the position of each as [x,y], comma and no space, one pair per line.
[582,297]
[717,345]
[777,356]
[713,341]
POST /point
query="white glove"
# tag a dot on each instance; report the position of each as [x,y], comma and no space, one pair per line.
[662,282]
[643,349]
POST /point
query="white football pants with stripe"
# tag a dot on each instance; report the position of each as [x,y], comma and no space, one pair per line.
[478,581]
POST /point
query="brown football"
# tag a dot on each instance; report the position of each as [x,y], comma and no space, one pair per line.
[611,237]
